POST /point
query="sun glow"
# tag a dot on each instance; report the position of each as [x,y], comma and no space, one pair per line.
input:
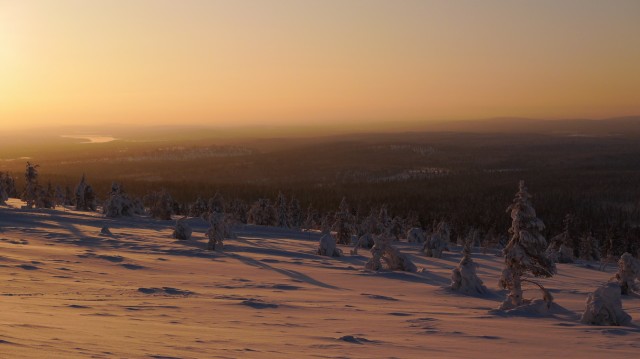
[247,62]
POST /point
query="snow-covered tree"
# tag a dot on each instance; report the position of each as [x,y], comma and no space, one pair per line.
[9,184]
[364,241]
[198,208]
[4,195]
[343,223]
[59,196]
[295,213]
[327,246]
[311,220]
[416,235]
[216,203]
[182,230]
[464,278]
[85,198]
[216,231]
[604,307]
[384,251]
[628,272]
[238,210]
[384,221]
[282,211]
[370,224]
[119,203]
[438,241]
[262,213]
[31,191]
[160,204]
[525,252]
[589,248]
[395,228]
[46,197]
[560,247]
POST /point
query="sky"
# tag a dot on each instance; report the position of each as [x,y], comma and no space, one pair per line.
[243,62]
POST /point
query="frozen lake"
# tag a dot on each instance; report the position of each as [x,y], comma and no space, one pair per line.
[92,138]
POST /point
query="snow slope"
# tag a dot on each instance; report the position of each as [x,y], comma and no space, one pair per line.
[69,292]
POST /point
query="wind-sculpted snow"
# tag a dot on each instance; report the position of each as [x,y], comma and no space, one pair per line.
[70,292]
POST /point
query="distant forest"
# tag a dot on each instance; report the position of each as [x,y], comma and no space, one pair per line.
[465,179]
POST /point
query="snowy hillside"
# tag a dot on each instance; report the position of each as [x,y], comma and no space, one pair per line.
[70,292]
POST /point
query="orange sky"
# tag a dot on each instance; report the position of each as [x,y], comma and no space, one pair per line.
[297,61]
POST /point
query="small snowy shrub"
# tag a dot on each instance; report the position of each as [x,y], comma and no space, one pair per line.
[464,278]
[604,307]
[327,246]
[182,230]
[438,241]
[416,235]
[383,251]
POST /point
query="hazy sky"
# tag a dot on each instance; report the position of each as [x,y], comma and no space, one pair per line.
[301,61]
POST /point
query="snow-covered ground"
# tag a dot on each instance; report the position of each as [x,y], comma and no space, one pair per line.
[69,292]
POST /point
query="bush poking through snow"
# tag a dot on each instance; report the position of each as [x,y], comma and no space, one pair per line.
[525,252]
[383,251]
[464,278]
[327,246]
[182,230]
[604,307]
[438,241]
[628,271]
[416,235]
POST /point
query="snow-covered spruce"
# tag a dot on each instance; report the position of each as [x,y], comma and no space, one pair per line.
[383,251]
[327,246]
[343,224]
[464,278]
[182,230]
[604,307]
[438,241]
[30,194]
[160,204]
[416,235]
[525,252]
[216,231]
[282,211]
[119,203]
[262,213]
[628,272]
[589,248]
[85,197]
[560,247]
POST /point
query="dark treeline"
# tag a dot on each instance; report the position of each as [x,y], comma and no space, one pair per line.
[605,203]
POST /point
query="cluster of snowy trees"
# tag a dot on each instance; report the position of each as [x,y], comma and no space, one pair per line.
[527,254]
